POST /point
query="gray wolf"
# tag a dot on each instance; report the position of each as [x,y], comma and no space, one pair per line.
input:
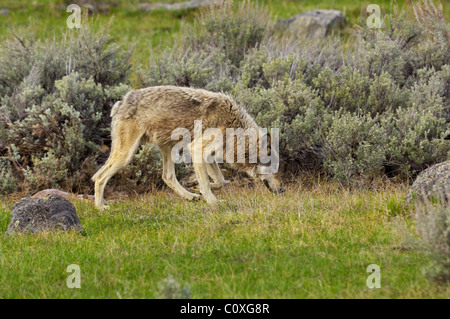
[150,115]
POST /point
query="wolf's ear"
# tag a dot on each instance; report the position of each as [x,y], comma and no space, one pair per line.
[210,104]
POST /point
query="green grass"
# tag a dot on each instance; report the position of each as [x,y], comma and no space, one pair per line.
[307,243]
[129,25]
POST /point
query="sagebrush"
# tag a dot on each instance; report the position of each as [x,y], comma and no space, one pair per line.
[433,226]
[55,100]
[377,105]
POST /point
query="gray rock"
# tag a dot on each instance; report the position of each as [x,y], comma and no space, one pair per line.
[312,24]
[65,195]
[34,215]
[4,12]
[193,4]
[91,6]
[434,182]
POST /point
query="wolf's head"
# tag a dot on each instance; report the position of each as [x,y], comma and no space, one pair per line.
[271,180]
[266,170]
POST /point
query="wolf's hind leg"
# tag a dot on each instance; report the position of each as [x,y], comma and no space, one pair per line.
[170,177]
[217,176]
[125,140]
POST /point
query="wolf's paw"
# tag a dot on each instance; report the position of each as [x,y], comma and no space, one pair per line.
[195,198]
[216,186]
[212,200]
[103,207]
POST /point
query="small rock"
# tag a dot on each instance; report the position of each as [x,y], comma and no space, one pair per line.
[193,4]
[312,24]
[91,6]
[52,191]
[150,6]
[4,12]
[35,215]
[434,182]
[63,194]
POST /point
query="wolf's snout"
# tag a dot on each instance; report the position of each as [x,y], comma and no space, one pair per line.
[274,185]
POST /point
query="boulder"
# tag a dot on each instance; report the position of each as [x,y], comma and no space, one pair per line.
[4,12]
[434,182]
[35,215]
[314,24]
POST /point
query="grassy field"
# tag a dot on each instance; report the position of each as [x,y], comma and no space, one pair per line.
[150,29]
[306,243]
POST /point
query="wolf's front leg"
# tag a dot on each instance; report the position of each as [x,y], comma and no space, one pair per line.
[203,182]
[201,172]
[217,176]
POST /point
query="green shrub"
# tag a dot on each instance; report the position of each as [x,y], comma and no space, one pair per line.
[355,146]
[379,104]
[433,226]
[55,100]
[169,288]
[144,173]
[186,67]
[209,54]
[231,28]
[416,130]
[8,184]
[295,109]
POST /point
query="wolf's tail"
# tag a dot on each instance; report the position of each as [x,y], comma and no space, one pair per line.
[114,111]
[115,108]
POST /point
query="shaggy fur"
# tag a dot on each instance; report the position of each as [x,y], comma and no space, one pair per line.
[150,115]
